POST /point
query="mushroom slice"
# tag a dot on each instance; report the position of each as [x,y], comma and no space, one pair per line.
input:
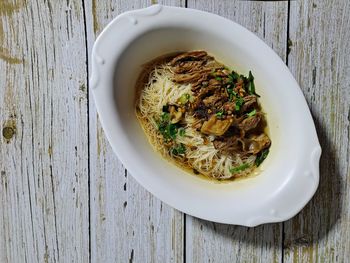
[214,126]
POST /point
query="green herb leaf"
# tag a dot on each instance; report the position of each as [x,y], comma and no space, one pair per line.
[182,132]
[231,97]
[218,78]
[244,78]
[261,157]
[240,168]
[161,127]
[252,113]
[172,131]
[178,149]
[167,129]
[233,77]
[251,85]
[165,117]
[219,113]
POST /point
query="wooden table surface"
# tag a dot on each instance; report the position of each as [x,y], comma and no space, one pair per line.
[65,197]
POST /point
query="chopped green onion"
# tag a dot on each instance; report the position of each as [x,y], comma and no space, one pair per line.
[240,168]
[219,113]
[231,93]
[261,157]
[184,98]
[239,102]
[218,78]
[252,113]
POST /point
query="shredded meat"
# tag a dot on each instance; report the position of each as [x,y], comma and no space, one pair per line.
[187,78]
[211,100]
[193,55]
[201,111]
[228,146]
[194,67]
[215,65]
[230,106]
[249,123]
[249,102]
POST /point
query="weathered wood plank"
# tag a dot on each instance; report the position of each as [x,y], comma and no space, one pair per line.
[320,61]
[43,118]
[127,222]
[209,242]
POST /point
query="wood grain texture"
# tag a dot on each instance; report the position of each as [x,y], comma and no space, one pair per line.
[128,224]
[43,119]
[320,61]
[49,144]
[210,242]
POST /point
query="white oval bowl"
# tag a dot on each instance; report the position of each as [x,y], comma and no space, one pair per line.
[290,174]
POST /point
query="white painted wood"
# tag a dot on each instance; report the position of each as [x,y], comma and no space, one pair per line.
[44,165]
[320,61]
[44,155]
[210,242]
[127,222]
